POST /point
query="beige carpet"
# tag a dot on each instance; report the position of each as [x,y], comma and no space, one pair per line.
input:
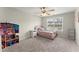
[40,44]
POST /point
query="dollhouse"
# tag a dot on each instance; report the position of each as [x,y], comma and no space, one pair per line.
[8,34]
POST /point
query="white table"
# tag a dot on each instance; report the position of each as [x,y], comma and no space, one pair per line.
[33,34]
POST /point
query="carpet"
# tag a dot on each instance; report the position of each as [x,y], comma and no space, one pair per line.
[40,44]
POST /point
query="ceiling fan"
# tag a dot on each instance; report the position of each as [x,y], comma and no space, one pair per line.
[45,11]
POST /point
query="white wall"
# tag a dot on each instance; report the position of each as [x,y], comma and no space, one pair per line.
[68,22]
[77,25]
[25,20]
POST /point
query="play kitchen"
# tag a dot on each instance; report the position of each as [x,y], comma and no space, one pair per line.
[8,34]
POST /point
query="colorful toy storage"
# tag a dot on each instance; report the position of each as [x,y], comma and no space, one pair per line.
[9,34]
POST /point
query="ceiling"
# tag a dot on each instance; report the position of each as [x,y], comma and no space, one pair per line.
[36,10]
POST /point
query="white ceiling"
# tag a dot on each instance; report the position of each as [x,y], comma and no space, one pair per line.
[36,10]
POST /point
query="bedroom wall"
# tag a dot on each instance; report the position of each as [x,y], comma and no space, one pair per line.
[68,22]
[77,25]
[25,20]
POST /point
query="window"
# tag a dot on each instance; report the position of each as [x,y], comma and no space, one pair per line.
[55,23]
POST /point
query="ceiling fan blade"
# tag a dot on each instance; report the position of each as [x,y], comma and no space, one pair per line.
[44,11]
[51,10]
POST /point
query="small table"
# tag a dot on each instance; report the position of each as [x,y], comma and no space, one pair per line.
[33,34]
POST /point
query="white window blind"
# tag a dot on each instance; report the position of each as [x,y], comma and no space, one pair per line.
[55,23]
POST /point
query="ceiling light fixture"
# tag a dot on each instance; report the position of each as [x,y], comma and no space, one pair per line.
[44,11]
